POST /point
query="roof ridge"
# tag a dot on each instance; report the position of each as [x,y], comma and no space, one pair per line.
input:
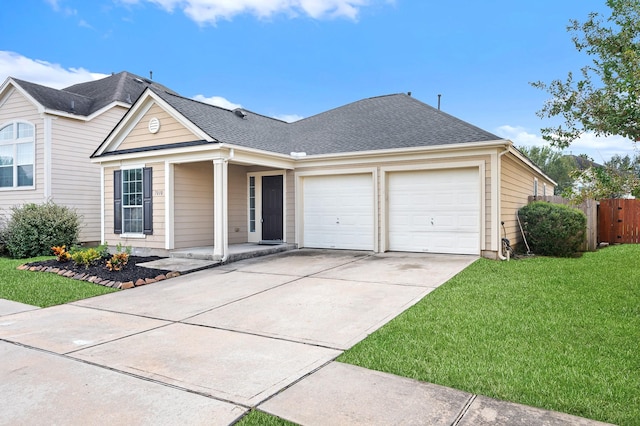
[120,86]
[219,107]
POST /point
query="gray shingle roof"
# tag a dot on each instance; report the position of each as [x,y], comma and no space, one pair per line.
[383,122]
[253,131]
[86,98]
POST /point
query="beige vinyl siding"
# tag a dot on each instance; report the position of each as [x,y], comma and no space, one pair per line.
[193,204]
[171,131]
[237,203]
[17,107]
[517,180]
[486,159]
[75,181]
[157,239]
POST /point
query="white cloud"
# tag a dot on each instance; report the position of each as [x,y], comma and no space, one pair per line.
[54,4]
[210,11]
[84,24]
[600,149]
[289,118]
[217,101]
[42,72]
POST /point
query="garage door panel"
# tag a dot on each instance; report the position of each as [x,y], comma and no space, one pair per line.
[434,211]
[338,212]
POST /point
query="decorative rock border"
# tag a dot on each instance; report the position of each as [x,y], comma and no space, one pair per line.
[97,280]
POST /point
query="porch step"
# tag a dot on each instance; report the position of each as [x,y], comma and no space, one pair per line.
[236,251]
[261,250]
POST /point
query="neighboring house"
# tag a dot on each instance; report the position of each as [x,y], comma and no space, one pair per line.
[388,173]
[47,136]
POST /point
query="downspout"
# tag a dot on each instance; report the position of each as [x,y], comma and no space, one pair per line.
[499,200]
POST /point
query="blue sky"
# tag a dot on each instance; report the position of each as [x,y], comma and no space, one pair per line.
[295,58]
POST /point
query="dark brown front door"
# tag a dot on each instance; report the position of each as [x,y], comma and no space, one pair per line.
[272,208]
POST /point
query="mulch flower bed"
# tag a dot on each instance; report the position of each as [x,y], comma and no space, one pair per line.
[130,276]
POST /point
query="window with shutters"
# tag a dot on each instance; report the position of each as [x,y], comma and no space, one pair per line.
[132,201]
[132,218]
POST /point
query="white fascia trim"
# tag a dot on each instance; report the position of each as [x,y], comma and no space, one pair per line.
[424,153]
[128,126]
[204,152]
[24,93]
[480,165]
[43,110]
[175,155]
[86,117]
[6,95]
[529,163]
[410,150]
[252,156]
[135,114]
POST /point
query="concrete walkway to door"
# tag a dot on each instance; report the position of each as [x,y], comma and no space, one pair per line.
[208,346]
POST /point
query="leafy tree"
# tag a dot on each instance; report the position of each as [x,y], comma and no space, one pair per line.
[556,165]
[625,164]
[606,96]
[618,178]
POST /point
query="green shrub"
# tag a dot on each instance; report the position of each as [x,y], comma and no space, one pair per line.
[34,228]
[3,235]
[85,257]
[553,229]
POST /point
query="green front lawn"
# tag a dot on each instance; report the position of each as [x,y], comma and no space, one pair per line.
[42,288]
[561,334]
[259,418]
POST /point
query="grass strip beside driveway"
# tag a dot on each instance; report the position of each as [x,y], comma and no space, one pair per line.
[42,288]
[560,334]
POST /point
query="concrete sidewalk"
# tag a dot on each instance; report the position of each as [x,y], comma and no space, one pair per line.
[208,346]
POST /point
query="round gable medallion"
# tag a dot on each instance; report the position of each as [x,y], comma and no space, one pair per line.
[154,125]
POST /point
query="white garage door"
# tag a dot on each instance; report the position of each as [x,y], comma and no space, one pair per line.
[338,212]
[435,211]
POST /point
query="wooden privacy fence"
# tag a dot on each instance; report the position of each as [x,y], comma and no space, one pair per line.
[619,221]
[590,209]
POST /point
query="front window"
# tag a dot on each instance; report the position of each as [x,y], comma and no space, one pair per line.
[17,155]
[132,201]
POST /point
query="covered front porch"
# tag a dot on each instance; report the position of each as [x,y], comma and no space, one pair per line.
[228,210]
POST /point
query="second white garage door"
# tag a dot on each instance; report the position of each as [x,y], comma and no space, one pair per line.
[434,211]
[338,212]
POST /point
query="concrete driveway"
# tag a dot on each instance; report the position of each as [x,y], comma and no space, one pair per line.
[208,346]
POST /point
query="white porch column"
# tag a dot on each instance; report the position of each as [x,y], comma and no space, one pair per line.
[220,210]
